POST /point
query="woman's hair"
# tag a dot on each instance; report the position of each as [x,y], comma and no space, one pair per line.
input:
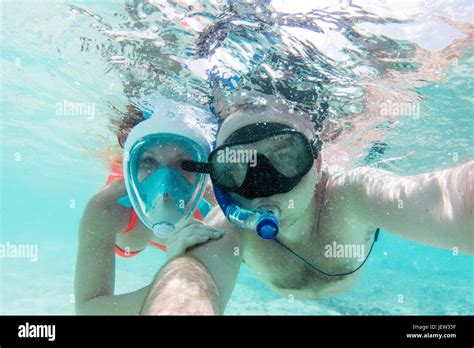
[130,119]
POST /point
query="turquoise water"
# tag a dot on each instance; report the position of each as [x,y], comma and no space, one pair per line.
[48,174]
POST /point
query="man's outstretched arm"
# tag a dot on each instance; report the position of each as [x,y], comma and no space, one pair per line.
[183,286]
[436,208]
[201,281]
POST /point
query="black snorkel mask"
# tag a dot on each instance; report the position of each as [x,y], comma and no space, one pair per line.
[259,160]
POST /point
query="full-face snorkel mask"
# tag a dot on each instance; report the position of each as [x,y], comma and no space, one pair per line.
[161,193]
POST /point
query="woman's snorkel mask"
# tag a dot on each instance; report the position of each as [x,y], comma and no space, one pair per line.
[161,193]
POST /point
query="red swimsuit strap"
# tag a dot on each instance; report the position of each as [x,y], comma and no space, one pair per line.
[132,222]
[125,253]
[157,245]
[197,215]
[116,172]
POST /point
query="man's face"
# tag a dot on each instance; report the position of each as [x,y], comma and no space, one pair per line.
[293,203]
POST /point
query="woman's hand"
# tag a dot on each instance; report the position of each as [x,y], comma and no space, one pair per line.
[193,233]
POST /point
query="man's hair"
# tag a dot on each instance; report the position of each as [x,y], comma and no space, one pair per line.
[256,101]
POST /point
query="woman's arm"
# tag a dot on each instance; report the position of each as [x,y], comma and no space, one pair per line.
[436,208]
[95,267]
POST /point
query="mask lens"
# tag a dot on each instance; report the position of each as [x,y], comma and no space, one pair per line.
[287,152]
[160,190]
[163,155]
[230,166]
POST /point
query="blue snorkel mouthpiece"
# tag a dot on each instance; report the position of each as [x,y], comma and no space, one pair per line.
[266,224]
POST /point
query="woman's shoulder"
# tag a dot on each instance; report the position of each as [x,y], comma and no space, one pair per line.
[104,204]
[110,193]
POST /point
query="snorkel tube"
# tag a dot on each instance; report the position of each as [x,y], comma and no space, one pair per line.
[266,224]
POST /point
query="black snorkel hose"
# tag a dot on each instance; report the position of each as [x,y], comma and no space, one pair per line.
[332,274]
[242,218]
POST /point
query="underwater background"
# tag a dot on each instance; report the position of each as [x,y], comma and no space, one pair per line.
[103,55]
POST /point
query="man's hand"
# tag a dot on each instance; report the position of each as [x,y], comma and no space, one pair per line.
[192,233]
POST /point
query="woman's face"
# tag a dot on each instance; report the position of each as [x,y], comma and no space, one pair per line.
[293,203]
[166,205]
[164,156]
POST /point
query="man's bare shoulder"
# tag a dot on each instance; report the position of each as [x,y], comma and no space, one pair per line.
[232,234]
[350,193]
[216,219]
[346,178]
[364,182]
